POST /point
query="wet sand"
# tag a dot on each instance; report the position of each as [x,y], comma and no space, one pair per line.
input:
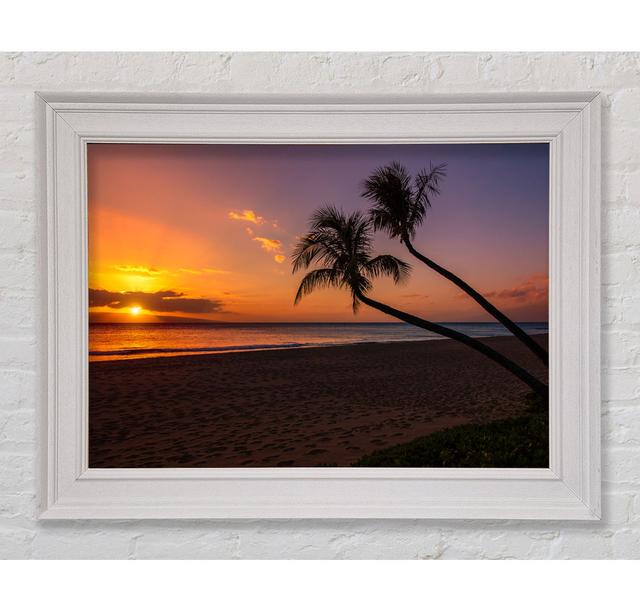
[295,407]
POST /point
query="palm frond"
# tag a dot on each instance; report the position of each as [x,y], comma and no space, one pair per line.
[398,205]
[359,233]
[355,303]
[320,278]
[328,217]
[386,181]
[390,192]
[388,265]
[361,286]
[321,246]
[427,183]
[324,242]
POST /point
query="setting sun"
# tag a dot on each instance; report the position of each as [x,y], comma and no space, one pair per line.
[135,310]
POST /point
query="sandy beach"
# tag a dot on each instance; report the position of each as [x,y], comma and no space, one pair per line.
[296,407]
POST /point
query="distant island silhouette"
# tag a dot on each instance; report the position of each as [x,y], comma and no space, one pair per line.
[125,317]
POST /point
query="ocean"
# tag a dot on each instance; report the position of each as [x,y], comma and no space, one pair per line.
[112,341]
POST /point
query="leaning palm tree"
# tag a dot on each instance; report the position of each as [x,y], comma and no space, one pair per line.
[399,207]
[341,245]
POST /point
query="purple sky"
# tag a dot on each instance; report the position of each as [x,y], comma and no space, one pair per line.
[489,225]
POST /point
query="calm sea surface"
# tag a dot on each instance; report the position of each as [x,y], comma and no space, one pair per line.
[129,341]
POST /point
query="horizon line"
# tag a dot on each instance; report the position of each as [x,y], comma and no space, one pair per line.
[212,322]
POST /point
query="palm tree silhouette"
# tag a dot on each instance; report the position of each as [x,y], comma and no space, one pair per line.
[399,206]
[342,245]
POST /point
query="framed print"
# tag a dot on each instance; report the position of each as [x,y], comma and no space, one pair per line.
[317,307]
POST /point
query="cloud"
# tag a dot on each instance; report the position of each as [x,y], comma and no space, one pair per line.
[200,271]
[214,271]
[138,270]
[160,301]
[415,296]
[533,289]
[271,245]
[246,215]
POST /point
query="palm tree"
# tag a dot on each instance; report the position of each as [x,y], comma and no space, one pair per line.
[342,246]
[399,207]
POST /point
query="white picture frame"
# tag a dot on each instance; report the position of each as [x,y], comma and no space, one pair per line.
[568,489]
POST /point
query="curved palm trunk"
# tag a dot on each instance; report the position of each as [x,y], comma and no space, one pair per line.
[516,330]
[533,383]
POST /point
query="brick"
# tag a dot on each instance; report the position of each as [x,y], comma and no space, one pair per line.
[18,390]
[626,544]
[17,230]
[621,384]
[56,541]
[621,426]
[186,543]
[585,543]
[620,466]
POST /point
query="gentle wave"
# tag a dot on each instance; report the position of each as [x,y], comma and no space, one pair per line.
[243,347]
[113,342]
[203,349]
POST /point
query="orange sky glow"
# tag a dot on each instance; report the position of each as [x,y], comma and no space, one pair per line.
[206,231]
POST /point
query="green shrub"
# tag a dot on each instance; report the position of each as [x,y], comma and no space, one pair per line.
[521,442]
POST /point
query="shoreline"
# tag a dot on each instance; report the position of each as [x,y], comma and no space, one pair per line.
[287,407]
[140,354]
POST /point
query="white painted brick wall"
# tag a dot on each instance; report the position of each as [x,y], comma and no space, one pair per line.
[616,75]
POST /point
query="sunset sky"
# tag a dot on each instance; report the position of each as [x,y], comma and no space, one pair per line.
[206,231]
